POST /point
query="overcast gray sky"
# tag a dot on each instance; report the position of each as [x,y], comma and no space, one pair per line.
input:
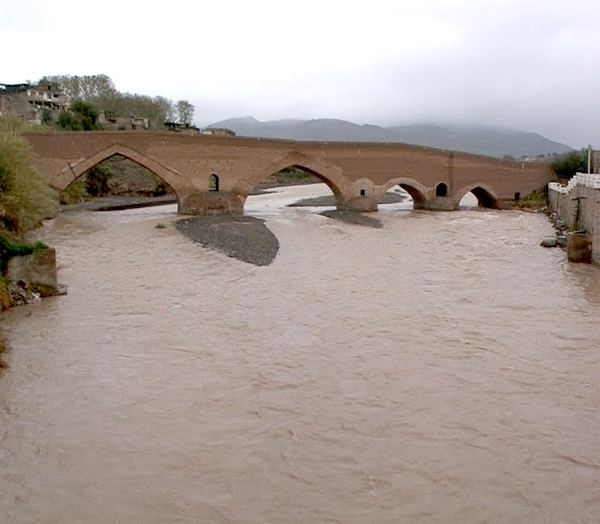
[533,65]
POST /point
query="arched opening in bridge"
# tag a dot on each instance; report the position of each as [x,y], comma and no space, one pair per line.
[441,190]
[213,182]
[292,186]
[478,197]
[119,176]
[402,197]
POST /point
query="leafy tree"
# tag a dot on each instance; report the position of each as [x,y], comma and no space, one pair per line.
[100,91]
[81,116]
[66,120]
[46,117]
[185,112]
[86,113]
[567,165]
[89,88]
[165,109]
[157,110]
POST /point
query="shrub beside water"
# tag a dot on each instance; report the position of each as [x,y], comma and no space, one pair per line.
[76,192]
[10,249]
[537,199]
[25,198]
[568,165]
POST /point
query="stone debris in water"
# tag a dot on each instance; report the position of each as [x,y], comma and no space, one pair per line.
[549,242]
[21,294]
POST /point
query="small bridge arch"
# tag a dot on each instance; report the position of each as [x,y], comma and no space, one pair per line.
[485,195]
[417,191]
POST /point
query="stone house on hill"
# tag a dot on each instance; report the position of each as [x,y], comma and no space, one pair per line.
[218,131]
[29,101]
[131,122]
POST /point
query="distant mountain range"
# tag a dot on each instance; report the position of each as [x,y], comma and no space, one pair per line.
[481,140]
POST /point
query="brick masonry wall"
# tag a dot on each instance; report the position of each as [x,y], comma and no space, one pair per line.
[351,169]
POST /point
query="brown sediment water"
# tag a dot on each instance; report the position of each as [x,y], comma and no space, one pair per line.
[443,368]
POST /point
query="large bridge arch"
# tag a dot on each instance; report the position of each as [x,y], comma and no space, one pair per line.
[76,169]
[486,196]
[330,174]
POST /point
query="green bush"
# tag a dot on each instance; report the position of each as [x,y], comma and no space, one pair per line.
[10,249]
[567,165]
[81,116]
[46,117]
[97,180]
[75,192]
[537,199]
[4,177]
[67,120]
[86,113]
[25,198]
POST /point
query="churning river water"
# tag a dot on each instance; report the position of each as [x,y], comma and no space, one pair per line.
[441,369]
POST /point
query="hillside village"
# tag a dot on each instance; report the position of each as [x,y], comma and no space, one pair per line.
[43,103]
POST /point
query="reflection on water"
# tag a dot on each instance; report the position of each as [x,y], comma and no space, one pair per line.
[441,369]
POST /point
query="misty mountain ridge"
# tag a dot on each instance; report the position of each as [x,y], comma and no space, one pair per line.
[477,139]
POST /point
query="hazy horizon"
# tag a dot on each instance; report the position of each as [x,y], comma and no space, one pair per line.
[527,65]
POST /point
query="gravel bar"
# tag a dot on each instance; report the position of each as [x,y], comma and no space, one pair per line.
[243,237]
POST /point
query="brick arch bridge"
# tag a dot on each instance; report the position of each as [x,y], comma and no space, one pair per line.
[357,173]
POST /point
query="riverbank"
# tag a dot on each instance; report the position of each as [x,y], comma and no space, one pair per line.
[119,203]
[3,349]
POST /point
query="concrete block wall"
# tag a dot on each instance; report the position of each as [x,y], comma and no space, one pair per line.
[38,270]
[578,205]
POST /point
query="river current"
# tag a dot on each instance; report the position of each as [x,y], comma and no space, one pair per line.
[441,369]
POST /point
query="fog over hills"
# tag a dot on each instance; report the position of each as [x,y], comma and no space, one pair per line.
[481,140]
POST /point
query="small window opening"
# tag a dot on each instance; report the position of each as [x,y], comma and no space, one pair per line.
[517,196]
[362,192]
[213,182]
[441,190]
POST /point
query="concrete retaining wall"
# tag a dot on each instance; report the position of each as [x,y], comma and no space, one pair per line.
[578,205]
[38,270]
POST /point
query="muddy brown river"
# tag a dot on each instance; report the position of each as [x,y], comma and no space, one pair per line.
[441,369]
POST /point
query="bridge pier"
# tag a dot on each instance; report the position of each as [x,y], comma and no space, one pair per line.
[362,204]
[230,203]
[211,203]
[438,203]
